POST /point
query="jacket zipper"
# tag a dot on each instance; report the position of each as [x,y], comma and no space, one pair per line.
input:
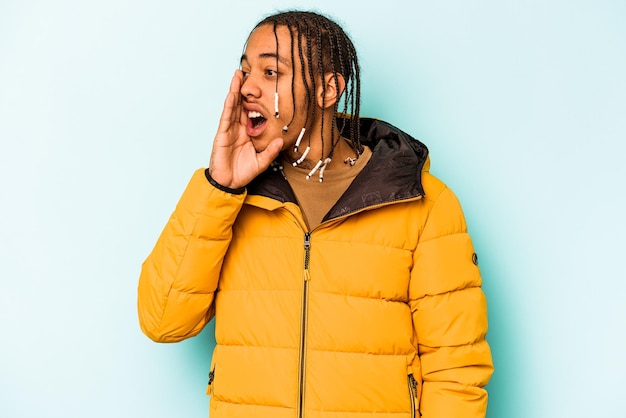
[413,394]
[303,325]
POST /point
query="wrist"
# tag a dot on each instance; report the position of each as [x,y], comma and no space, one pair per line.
[223,188]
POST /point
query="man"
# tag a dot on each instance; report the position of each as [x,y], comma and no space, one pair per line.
[339,271]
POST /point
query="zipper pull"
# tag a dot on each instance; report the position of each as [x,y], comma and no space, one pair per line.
[307,255]
[209,388]
[307,250]
[414,393]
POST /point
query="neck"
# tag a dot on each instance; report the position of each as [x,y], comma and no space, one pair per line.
[334,146]
[339,151]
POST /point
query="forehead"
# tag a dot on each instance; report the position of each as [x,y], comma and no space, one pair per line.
[262,44]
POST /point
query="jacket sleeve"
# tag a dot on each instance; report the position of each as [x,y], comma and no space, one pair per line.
[449,316]
[180,276]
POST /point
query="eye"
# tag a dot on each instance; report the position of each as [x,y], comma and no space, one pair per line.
[271,73]
[245,73]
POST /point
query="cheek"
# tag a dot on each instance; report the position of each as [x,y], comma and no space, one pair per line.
[286,105]
[286,99]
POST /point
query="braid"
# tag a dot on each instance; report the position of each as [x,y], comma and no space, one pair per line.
[332,39]
[355,92]
[303,73]
[321,71]
[309,57]
[290,25]
[276,88]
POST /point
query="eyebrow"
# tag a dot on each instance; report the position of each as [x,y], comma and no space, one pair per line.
[266,55]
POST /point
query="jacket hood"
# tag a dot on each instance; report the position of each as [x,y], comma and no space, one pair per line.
[393,173]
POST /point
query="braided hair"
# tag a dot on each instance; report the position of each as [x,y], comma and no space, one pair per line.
[326,48]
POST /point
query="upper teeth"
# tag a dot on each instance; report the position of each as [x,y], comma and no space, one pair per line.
[254,114]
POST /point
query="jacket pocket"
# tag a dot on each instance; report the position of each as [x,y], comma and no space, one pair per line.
[414,396]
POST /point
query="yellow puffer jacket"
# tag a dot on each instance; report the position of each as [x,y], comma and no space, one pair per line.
[378,312]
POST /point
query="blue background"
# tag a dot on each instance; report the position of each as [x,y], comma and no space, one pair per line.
[106,108]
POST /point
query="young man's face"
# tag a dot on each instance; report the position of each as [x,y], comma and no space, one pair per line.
[261,68]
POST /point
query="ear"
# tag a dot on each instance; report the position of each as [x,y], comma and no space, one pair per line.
[334,89]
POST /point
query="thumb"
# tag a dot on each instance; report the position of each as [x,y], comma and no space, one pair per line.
[269,154]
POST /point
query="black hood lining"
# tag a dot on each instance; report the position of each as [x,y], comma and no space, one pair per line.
[393,173]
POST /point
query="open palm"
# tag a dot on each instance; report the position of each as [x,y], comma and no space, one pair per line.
[234,160]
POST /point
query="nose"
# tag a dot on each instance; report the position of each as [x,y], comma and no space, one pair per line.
[250,87]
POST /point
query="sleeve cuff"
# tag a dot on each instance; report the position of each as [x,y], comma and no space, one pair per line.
[215,184]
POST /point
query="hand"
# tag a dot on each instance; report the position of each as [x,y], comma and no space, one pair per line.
[234,161]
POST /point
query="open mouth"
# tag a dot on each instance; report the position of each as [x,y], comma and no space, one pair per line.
[256,119]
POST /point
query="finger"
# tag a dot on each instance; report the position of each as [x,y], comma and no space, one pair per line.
[243,117]
[226,119]
[269,154]
[235,91]
[239,76]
